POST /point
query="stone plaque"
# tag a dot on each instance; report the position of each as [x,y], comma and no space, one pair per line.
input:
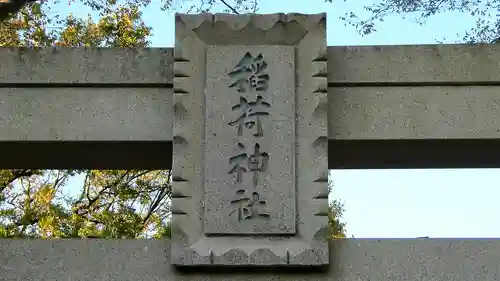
[250,170]
[250,140]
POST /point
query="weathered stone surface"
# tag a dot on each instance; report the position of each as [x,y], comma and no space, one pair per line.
[407,113]
[346,64]
[415,112]
[298,140]
[415,64]
[59,65]
[85,114]
[351,259]
[252,124]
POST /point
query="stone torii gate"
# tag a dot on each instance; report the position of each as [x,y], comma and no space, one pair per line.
[249,112]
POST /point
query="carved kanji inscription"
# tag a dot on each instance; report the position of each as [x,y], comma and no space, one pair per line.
[250,123]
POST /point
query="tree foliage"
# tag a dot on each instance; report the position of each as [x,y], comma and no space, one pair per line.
[486,12]
[99,203]
[33,20]
[119,25]
[104,203]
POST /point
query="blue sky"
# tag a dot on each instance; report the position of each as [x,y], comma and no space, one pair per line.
[384,203]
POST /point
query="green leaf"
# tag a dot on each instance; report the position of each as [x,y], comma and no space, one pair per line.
[37,9]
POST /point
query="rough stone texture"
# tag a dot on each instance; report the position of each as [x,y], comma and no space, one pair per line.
[274,134]
[89,114]
[354,113]
[85,65]
[472,64]
[351,259]
[448,112]
[307,33]
[414,64]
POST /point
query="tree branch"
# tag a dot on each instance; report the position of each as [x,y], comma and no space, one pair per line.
[11,7]
[227,5]
[162,193]
[16,174]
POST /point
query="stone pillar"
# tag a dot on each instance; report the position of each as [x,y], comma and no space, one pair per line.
[250,164]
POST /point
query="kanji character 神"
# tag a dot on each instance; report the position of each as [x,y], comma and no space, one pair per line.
[256,162]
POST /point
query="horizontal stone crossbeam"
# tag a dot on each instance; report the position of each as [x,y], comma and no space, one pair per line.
[382,101]
[375,92]
[351,259]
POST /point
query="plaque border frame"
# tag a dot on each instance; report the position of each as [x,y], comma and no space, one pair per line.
[309,247]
